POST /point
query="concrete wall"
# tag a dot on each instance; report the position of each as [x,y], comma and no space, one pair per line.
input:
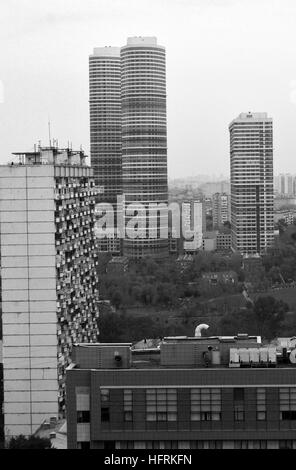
[27,228]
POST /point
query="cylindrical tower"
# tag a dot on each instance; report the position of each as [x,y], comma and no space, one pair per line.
[105,132]
[144,146]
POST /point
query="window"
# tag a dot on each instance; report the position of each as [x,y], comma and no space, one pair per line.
[239,413]
[161,404]
[261,404]
[239,405]
[105,394]
[287,403]
[238,394]
[105,415]
[128,405]
[109,445]
[83,417]
[286,444]
[205,404]
[83,445]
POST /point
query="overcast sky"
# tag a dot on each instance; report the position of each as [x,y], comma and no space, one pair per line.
[223,57]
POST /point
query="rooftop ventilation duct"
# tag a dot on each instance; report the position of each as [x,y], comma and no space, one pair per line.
[199,329]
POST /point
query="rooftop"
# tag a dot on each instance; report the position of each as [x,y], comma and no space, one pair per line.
[54,430]
[50,156]
[183,352]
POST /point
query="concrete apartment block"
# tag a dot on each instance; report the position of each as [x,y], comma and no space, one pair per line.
[40,313]
[27,232]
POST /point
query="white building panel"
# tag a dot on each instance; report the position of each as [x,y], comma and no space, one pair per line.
[17,329]
[39,352]
[16,430]
[41,227]
[13,205]
[43,294]
[14,261]
[37,205]
[15,408]
[17,312]
[10,295]
[11,217]
[41,261]
[14,250]
[14,284]
[12,193]
[43,306]
[12,273]
[45,407]
[16,385]
[49,272]
[42,250]
[41,216]
[16,397]
[44,374]
[13,351]
[42,193]
[43,340]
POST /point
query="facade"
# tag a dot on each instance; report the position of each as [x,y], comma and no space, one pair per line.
[193,225]
[252,199]
[223,241]
[48,280]
[221,209]
[144,144]
[209,241]
[188,393]
[105,135]
[285,185]
[1,396]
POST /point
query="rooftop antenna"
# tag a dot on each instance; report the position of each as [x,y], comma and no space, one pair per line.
[49,132]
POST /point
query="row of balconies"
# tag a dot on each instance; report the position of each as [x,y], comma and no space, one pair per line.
[75,184]
[61,195]
[75,215]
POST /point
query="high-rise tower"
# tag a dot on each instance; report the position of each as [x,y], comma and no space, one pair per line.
[252,203]
[144,141]
[105,133]
[48,280]
[129,141]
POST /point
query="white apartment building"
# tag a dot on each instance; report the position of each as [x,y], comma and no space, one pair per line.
[252,200]
[192,225]
[48,280]
[221,209]
[285,184]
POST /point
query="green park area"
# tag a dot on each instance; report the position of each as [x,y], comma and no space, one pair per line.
[155,299]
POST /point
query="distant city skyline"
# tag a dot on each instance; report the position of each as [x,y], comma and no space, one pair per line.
[211,76]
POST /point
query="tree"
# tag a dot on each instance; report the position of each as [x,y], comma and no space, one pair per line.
[32,442]
[269,315]
[116,299]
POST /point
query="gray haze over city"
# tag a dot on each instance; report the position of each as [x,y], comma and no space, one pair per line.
[223,57]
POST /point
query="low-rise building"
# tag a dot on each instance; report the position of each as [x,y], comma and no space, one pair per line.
[209,242]
[222,277]
[118,265]
[182,393]
[223,241]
